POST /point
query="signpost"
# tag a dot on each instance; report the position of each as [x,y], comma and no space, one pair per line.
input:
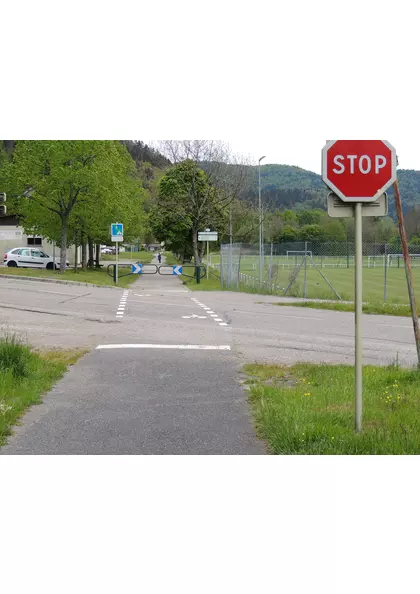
[117,236]
[359,172]
[337,209]
[208,236]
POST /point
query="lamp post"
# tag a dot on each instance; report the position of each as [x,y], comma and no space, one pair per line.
[261,224]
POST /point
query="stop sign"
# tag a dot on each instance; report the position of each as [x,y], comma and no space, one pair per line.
[359,170]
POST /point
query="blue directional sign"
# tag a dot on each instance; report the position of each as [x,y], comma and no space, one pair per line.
[137,268]
[177,270]
[117,232]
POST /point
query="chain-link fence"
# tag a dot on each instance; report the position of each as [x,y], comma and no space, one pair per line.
[317,270]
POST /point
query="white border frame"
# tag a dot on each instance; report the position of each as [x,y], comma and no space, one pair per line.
[344,198]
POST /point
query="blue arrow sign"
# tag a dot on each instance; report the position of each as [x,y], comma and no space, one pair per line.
[177,270]
[137,268]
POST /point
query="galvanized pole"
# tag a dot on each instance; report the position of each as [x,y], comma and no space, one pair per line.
[305,282]
[386,274]
[116,259]
[260,215]
[408,270]
[208,259]
[270,270]
[359,316]
[261,221]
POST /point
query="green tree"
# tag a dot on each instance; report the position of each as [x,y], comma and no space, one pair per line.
[311,233]
[64,182]
[186,204]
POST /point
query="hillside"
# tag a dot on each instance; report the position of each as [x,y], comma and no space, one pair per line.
[291,187]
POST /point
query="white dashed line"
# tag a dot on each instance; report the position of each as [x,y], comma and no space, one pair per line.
[122,306]
[209,312]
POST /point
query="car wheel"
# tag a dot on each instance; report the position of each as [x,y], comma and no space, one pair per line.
[50,266]
[12,264]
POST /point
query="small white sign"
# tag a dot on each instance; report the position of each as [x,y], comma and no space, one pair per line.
[208,236]
[7,235]
[337,209]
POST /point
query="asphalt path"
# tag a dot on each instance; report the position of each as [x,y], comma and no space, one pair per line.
[163,375]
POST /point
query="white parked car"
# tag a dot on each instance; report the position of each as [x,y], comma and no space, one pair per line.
[30,258]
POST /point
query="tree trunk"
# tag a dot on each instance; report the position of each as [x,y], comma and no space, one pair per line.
[91,258]
[98,254]
[63,243]
[197,260]
[84,250]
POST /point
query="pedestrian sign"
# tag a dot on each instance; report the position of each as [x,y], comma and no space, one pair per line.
[117,232]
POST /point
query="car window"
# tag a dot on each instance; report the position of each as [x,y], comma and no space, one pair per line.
[36,253]
[16,251]
[24,253]
[44,255]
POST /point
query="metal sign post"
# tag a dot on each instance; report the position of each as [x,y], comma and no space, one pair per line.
[117,237]
[207,236]
[358,172]
[359,315]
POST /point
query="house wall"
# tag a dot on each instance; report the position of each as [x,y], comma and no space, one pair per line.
[12,236]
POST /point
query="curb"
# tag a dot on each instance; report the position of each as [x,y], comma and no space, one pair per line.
[56,282]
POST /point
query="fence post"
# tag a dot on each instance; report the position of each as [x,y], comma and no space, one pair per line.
[270,269]
[386,275]
[305,282]
[221,267]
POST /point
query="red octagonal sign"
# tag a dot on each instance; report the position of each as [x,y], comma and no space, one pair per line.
[359,170]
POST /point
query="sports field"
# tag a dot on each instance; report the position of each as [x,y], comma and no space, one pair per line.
[338,271]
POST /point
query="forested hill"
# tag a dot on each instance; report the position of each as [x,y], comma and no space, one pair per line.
[292,187]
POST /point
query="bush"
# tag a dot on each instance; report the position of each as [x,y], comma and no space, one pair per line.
[14,356]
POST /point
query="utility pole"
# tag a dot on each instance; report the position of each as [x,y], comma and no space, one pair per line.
[261,223]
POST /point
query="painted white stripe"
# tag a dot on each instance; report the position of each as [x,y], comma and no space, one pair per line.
[211,312]
[214,316]
[177,347]
[223,324]
[218,320]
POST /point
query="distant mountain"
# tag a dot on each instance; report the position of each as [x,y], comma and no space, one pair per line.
[287,187]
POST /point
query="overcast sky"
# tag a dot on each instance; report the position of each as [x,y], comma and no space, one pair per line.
[281,76]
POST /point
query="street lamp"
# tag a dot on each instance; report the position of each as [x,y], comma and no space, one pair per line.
[261,223]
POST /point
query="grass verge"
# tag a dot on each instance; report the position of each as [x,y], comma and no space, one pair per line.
[25,376]
[91,276]
[309,409]
[385,309]
[143,257]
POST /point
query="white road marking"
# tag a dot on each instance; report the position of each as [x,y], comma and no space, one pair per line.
[194,317]
[137,295]
[178,347]
[218,320]
[214,316]
[223,324]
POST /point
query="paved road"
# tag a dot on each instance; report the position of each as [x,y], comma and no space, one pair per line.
[182,399]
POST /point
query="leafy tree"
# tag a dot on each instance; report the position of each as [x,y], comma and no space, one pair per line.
[187,203]
[61,182]
[311,233]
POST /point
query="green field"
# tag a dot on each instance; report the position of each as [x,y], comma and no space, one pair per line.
[337,273]
[309,409]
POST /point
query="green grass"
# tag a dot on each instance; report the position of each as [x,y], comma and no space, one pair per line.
[342,279]
[90,276]
[309,409]
[143,257]
[171,260]
[25,376]
[385,309]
